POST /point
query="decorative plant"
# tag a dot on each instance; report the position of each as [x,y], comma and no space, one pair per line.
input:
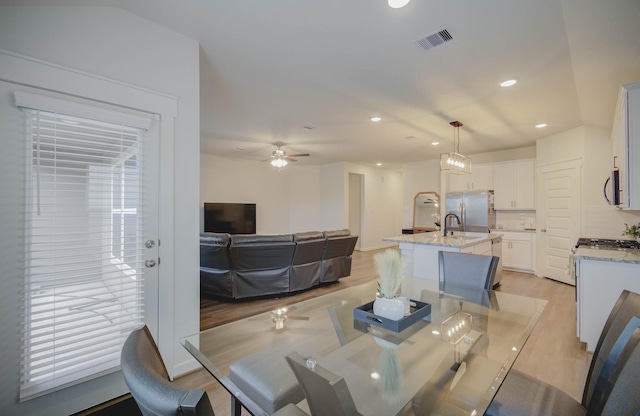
[390,267]
[631,231]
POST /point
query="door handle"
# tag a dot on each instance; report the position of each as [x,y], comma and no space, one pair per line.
[150,263]
[544,230]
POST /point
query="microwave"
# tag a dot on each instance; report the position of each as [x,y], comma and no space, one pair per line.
[612,182]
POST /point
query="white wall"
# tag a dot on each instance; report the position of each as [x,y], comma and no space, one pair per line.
[117,45]
[305,198]
[287,201]
[382,205]
[593,146]
[418,177]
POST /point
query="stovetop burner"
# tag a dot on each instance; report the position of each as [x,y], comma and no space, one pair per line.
[607,243]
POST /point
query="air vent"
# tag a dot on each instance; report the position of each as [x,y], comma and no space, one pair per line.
[432,40]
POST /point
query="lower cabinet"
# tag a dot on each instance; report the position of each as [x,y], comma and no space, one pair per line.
[598,286]
[517,251]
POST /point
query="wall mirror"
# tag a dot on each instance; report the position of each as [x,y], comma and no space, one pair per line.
[426,212]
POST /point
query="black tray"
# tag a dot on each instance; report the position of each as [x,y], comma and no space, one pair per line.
[365,313]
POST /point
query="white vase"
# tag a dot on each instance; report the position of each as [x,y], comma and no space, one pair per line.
[389,308]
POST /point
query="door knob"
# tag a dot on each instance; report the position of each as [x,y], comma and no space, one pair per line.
[149,243]
[150,263]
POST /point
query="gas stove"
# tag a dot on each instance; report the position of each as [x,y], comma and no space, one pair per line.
[609,244]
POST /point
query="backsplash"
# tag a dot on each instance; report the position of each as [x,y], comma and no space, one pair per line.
[515,220]
[607,222]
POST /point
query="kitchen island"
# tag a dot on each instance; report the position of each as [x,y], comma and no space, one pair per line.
[420,251]
[601,275]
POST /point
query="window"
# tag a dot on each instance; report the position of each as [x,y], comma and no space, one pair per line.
[83,265]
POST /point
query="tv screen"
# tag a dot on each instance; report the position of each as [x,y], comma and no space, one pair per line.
[220,217]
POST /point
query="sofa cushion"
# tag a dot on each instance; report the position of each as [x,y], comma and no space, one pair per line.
[309,235]
[215,238]
[337,233]
[257,238]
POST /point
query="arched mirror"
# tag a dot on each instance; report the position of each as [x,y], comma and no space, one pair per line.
[426,212]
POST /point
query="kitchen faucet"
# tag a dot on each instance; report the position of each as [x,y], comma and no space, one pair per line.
[445,221]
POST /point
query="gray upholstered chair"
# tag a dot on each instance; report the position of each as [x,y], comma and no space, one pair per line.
[327,394]
[148,380]
[521,394]
[306,267]
[465,269]
[215,265]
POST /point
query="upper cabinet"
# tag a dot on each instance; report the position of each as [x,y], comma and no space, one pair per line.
[625,139]
[481,177]
[514,185]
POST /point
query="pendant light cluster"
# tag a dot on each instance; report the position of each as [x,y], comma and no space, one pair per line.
[455,162]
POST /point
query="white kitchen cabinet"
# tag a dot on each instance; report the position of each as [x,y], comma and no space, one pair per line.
[599,284]
[514,185]
[517,250]
[625,139]
[481,177]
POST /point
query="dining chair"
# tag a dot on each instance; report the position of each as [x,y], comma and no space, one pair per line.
[466,269]
[521,394]
[148,380]
[327,393]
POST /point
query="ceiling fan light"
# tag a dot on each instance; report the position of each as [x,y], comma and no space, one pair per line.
[278,162]
[396,4]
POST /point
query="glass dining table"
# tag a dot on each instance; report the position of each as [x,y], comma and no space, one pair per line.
[451,362]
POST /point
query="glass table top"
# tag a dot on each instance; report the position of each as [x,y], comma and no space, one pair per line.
[426,365]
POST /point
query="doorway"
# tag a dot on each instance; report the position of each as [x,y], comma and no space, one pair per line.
[559,226]
[356,197]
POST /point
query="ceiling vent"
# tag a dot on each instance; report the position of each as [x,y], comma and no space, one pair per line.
[432,40]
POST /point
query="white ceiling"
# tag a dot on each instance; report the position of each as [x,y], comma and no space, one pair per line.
[270,67]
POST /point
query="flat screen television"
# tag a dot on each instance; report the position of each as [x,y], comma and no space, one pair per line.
[223,217]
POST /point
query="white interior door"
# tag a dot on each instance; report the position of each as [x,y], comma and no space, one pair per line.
[559,192]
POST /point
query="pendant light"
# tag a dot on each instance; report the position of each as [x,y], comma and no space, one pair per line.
[455,162]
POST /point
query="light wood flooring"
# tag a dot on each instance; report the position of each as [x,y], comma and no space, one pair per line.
[553,353]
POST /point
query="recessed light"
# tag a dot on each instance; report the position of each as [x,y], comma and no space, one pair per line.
[396,4]
[508,83]
[435,143]
[541,125]
[375,119]
[378,164]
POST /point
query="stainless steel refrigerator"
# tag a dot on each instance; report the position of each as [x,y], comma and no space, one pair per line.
[474,208]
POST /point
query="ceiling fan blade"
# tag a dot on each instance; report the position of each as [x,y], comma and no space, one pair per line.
[289,159]
[300,155]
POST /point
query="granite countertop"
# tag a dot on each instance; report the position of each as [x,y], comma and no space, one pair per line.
[624,255]
[459,240]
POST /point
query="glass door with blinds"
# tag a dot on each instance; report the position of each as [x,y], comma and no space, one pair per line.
[90,238]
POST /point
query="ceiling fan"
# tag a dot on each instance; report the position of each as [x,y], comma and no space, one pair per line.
[280,158]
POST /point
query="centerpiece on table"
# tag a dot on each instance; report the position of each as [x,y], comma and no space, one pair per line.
[390,268]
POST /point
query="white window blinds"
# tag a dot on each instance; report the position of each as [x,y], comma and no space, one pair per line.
[83,261]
